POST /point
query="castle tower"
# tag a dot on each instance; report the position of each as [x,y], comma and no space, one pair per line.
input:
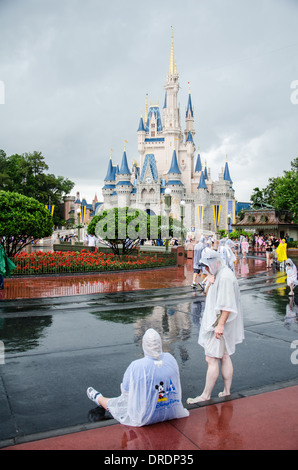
[189,117]
[124,186]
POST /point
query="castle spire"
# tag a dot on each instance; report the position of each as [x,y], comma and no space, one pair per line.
[189,109]
[146,109]
[227,176]
[173,66]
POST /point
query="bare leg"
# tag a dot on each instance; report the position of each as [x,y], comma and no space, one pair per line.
[227,375]
[211,378]
[97,397]
[103,401]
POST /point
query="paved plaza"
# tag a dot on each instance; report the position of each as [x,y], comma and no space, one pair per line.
[64,334]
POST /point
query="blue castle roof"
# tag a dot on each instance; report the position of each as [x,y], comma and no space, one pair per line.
[141,125]
[227,173]
[198,166]
[111,172]
[124,170]
[202,183]
[189,137]
[149,160]
[154,110]
[174,165]
[189,109]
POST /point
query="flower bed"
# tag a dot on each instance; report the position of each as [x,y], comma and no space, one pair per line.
[84,261]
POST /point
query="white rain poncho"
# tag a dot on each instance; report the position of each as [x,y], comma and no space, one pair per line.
[151,389]
[230,256]
[198,252]
[224,294]
[225,250]
[222,250]
[291,271]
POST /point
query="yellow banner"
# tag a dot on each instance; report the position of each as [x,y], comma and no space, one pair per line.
[216,214]
[50,208]
[201,214]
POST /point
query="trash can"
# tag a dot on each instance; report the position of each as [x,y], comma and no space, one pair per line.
[179,250]
[189,251]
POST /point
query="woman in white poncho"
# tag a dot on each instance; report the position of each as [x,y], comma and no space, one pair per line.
[150,390]
[291,271]
[222,325]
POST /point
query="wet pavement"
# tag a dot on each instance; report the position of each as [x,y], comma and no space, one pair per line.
[64,334]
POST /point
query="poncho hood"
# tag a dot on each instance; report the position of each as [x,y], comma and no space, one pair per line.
[152,344]
[213,260]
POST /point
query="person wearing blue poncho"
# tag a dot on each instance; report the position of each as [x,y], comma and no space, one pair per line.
[150,390]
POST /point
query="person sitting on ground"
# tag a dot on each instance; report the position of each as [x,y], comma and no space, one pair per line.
[150,390]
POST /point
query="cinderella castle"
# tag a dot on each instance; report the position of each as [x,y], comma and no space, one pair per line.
[169,177]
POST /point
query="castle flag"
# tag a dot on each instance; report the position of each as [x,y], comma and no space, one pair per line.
[216,214]
[201,214]
[50,208]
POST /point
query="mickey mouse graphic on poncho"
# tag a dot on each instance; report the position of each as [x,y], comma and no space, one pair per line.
[162,392]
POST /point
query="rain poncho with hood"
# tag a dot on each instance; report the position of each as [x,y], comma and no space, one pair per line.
[151,389]
[198,252]
[225,250]
[222,295]
[231,258]
[281,251]
[291,271]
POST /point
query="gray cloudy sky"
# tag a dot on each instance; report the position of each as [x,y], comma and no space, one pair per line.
[76,74]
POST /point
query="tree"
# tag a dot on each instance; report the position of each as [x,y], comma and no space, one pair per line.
[281,192]
[25,174]
[22,220]
[126,227]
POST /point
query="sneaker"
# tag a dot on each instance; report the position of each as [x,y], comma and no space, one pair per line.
[193,285]
[92,394]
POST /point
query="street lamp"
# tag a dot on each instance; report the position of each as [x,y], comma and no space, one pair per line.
[168,202]
[182,206]
[79,218]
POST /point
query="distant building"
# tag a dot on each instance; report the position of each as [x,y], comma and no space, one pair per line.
[77,211]
[268,221]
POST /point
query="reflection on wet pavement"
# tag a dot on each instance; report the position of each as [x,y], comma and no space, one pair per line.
[36,287]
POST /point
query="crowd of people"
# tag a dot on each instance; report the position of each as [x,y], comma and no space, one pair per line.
[275,249]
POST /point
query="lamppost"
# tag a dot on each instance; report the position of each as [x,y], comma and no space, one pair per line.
[79,219]
[168,202]
[182,208]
